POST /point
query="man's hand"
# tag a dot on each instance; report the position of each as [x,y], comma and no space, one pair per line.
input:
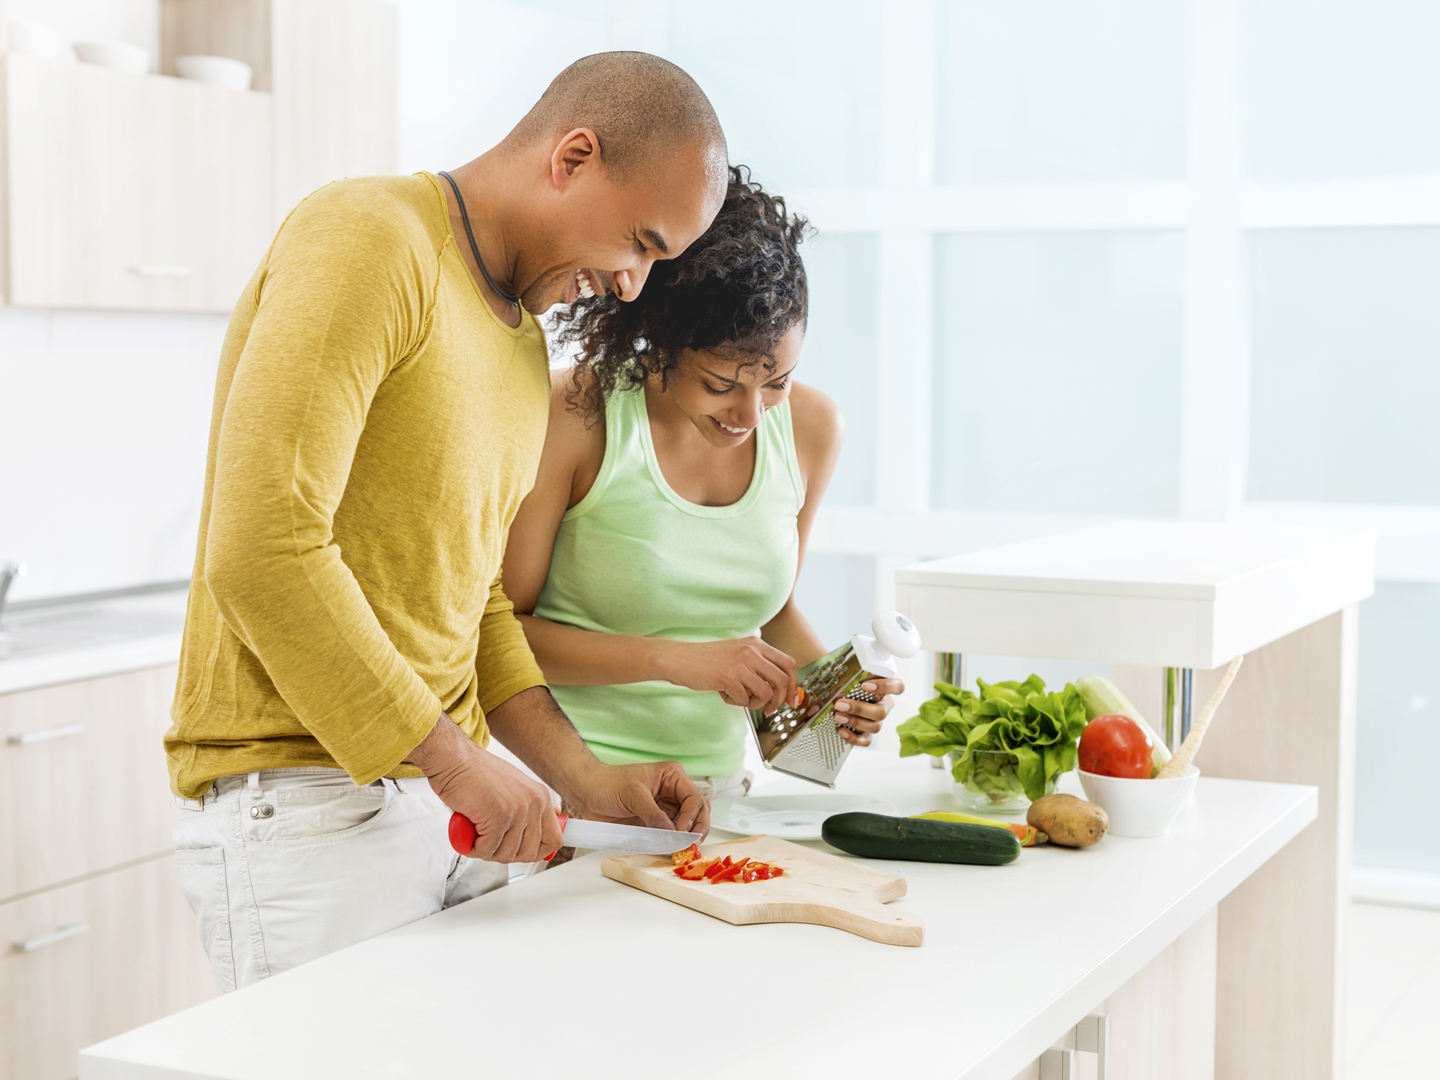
[655,795]
[513,816]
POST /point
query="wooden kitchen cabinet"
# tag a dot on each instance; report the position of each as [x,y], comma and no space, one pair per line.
[90,960]
[1162,1020]
[83,780]
[137,192]
[331,66]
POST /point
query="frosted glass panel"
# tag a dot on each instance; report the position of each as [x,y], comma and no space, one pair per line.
[1346,366]
[1066,92]
[840,354]
[796,84]
[1397,741]
[1343,88]
[836,592]
[1057,373]
[1056,673]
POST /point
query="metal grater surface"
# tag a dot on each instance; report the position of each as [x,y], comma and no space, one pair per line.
[804,740]
[819,743]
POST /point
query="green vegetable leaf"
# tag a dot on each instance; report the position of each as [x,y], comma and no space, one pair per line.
[1036,730]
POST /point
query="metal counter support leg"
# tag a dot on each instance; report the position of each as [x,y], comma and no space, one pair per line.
[1179,705]
[949,667]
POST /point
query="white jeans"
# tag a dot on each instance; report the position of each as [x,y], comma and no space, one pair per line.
[286,865]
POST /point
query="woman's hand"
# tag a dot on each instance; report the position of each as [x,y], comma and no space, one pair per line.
[858,720]
[743,671]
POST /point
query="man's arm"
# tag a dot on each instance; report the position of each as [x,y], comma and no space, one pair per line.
[340,302]
[657,795]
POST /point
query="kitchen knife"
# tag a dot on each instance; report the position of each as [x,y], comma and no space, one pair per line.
[590,834]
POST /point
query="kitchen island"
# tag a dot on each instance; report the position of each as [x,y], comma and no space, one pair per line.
[569,974]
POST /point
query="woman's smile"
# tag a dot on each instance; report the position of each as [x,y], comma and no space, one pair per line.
[728,431]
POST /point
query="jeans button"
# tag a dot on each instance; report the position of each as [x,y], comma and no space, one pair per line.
[264,810]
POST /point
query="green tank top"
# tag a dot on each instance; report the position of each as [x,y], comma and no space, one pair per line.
[633,557]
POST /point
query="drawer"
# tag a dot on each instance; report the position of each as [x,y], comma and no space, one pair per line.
[99,957]
[83,782]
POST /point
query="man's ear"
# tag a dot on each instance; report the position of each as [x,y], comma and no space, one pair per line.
[576,152]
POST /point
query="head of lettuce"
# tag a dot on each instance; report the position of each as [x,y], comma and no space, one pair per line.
[1038,730]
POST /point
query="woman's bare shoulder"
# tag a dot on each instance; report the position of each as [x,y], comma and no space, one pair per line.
[575,440]
[819,423]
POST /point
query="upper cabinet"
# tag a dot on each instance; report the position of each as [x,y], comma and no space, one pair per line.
[149,192]
[133,191]
[330,65]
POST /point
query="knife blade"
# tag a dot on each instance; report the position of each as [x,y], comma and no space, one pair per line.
[591,834]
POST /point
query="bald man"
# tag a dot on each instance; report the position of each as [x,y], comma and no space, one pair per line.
[379,414]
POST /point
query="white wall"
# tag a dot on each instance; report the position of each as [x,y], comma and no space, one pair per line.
[103,415]
[103,424]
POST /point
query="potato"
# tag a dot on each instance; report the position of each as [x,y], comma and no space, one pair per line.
[1071,822]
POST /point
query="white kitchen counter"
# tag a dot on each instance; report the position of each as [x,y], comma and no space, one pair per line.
[68,642]
[572,975]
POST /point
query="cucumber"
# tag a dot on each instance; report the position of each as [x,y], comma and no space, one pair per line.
[876,836]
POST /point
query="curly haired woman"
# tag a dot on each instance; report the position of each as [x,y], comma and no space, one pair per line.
[653,566]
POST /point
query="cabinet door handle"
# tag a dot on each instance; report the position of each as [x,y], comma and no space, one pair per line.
[160,270]
[65,933]
[29,738]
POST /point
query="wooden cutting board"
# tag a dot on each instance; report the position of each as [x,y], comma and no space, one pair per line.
[816,888]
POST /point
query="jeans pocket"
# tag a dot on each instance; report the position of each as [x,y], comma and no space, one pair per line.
[310,815]
[202,880]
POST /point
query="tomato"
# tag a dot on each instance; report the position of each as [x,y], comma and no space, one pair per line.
[1114,745]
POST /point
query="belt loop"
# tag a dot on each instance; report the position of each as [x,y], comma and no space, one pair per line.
[254,780]
[400,784]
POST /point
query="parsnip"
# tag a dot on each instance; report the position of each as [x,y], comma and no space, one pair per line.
[1178,764]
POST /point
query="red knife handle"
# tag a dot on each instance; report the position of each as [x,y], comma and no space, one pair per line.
[462,833]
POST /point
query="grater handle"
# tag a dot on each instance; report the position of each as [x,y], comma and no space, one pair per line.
[895,637]
[462,833]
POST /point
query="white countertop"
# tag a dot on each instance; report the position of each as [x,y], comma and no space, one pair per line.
[67,642]
[1167,593]
[569,974]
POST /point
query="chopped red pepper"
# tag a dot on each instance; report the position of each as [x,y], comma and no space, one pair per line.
[696,871]
[690,865]
[730,873]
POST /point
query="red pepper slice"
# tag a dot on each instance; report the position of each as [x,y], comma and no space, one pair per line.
[695,871]
[690,854]
[730,873]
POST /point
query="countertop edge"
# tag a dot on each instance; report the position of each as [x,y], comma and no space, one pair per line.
[88,662]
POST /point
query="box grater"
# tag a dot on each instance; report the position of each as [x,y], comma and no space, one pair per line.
[803,740]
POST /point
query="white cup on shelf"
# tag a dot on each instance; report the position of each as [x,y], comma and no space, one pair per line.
[119,55]
[221,71]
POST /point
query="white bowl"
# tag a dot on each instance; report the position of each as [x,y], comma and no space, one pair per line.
[1140,807]
[120,55]
[221,71]
[34,39]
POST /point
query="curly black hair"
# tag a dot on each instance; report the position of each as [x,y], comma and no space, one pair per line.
[741,285]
